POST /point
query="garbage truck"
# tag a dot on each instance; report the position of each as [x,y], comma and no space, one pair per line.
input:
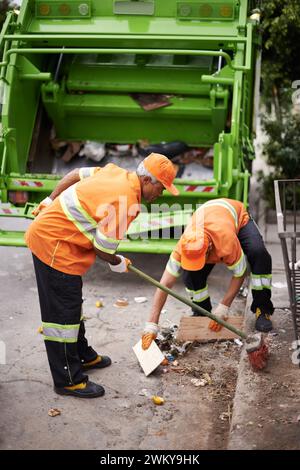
[78,71]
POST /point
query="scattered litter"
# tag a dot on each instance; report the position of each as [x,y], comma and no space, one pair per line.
[166,340]
[140,300]
[199,382]
[165,371]
[144,393]
[170,358]
[175,363]
[40,330]
[164,362]
[123,302]
[150,101]
[171,150]
[250,423]
[279,285]
[93,150]
[54,412]
[164,310]
[282,330]
[158,400]
[71,150]
[11,318]
[260,425]
[298,419]
[238,342]
[207,377]
[99,304]
[225,416]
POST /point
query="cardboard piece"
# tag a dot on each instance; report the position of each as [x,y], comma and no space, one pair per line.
[196,329]
[149,359]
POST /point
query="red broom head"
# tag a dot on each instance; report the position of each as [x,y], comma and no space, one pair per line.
[258,352]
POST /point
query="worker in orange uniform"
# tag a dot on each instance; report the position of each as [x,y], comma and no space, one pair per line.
[220,231]
[87,215]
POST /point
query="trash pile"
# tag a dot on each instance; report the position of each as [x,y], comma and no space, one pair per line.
[166,341]
[195,162]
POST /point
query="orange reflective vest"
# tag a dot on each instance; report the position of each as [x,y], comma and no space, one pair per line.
[221,220]
[93,213]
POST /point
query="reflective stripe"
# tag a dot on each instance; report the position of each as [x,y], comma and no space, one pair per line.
[60,333]
[174,267]
[84,222]
[103,243]
[261,281]
[239,267]
[226,205]
[75,212]
[85,172]
[198,295]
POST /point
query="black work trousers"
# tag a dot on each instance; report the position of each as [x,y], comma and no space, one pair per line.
[260,263]
[60,297]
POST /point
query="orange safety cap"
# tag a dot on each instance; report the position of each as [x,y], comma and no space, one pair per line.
[163,170]
[193,250]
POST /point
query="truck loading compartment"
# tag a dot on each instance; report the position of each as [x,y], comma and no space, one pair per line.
[73,66]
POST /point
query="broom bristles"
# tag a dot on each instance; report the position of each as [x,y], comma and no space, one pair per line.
[258,359]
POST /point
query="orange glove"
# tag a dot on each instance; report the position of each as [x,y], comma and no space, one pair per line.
[149,334]
[221,311]
[122,267]
[42,205]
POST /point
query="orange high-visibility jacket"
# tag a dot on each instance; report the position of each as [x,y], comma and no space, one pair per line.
[93,213]
[221,220]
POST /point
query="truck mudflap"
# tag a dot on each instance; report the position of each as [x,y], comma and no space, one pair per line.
[148,233]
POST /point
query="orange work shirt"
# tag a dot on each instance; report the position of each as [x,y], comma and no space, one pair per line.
[221,219]
[93,213]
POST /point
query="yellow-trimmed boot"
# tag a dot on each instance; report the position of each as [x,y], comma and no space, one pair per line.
[82,390]
[99,363]
[263,322]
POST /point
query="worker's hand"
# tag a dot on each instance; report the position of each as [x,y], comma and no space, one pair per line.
[122,267]
[149,334]
[42,205]
[221,311]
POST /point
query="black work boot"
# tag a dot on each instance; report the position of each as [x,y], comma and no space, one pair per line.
[263,322]
[99,363]
[83,390]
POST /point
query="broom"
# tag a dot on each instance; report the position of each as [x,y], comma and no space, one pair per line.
[256,348]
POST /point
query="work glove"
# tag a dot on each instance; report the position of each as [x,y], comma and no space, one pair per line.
[122,267]
[221,311]
[42,205]
[149,334]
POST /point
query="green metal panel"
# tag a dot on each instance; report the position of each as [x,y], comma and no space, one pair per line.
[201,53]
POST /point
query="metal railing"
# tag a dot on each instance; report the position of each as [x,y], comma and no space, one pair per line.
[287,199]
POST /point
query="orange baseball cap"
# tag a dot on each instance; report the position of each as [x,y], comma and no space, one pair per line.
[163,170]
[193,250]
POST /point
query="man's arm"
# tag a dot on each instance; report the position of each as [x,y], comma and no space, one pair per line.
[67,181]
[109,258]
[160,297]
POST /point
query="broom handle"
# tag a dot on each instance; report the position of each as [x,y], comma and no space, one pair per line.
[187,301]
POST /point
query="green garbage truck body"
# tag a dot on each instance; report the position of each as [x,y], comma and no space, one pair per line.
[75,68]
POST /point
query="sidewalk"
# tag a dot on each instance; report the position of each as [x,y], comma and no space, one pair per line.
[266,412]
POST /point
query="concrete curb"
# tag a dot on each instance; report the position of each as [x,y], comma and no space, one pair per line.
[244,394]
